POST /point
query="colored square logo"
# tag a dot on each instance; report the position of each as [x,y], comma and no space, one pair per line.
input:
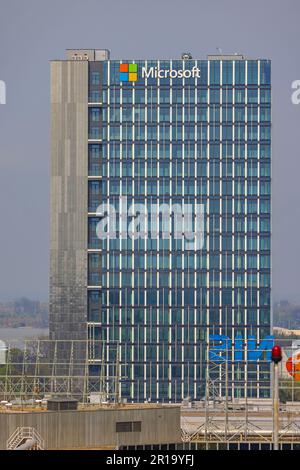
[132,77]
[123,67]
[124,76]
[128,73]
[133,68]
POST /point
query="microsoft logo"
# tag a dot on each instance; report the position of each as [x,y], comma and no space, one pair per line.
[128,72]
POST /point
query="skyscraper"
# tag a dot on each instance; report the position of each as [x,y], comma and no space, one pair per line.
[140,137]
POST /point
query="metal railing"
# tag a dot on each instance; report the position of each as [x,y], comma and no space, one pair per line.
[25,438]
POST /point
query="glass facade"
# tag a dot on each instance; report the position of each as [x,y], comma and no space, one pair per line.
[197,140]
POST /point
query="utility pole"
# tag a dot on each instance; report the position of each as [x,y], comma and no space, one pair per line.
[226,390]
[276,358]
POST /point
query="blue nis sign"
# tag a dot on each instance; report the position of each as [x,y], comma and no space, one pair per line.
[222,348]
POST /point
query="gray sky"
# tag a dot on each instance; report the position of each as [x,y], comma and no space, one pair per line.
[33,32]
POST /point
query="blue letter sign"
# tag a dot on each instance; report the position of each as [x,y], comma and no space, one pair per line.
[221,352]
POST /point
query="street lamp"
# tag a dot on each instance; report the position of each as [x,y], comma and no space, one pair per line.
[276,358]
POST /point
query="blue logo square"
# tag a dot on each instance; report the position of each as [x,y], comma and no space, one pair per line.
[124,76]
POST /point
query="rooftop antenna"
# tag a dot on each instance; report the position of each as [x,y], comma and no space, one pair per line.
[219,50]
[186,56]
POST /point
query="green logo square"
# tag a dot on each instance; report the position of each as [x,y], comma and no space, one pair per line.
[132,67]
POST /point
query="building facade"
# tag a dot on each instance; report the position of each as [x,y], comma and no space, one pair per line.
[162,132]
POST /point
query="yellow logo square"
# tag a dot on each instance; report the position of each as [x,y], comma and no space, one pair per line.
[132,77]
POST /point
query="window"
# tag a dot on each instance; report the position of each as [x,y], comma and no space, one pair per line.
[252,95]
[95,78]
[139,96]
[239,72]
[265,72]
[164,95]
[95,114]
[95,96]
[215,96]
[252,72]
[128,426]
[227,73]
[240,95]
[215,72]
[95,133]
[265,95]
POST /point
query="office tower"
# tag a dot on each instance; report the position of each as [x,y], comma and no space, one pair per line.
[172,132]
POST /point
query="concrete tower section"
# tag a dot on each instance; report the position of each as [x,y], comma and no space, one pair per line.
[69,171]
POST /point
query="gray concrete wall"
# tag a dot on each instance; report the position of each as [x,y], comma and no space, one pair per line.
[96,428]
[69,169]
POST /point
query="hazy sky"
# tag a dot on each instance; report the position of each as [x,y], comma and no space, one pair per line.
[33,32]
